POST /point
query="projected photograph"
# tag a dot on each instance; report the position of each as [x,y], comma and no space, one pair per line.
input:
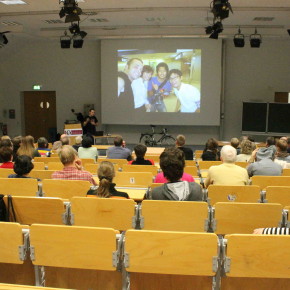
[159,81]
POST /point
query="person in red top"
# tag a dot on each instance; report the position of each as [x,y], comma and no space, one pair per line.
[6,154]
[72,166]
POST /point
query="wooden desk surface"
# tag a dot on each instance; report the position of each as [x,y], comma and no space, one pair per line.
[134,193]
[103,147]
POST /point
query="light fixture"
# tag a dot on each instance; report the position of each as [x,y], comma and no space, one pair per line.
[65,41]
[221,9]
[77,41]
[217,28]
[70,11]
[288,31]
[239,39]
[255,39]
[3,38]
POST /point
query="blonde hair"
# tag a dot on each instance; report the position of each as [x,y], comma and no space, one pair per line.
[26,146]
[106,173]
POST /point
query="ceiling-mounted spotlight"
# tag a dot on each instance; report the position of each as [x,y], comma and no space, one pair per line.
[65,41]
[71,10]
[221,9]
[239,39]
[255,39]
[74,28]
[288,31]
[3,38]
[217,28]
[78,41]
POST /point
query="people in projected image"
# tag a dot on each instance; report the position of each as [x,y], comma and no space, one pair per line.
[188,96]
[158,88]
[140,89]
[131,72]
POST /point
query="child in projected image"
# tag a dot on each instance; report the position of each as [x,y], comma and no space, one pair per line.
[159,87]
[188,96]
[140,92]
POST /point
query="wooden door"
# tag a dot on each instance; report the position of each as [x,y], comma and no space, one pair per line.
[40,114]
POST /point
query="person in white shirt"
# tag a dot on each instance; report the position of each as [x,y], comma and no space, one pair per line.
[140,89]
[188,95]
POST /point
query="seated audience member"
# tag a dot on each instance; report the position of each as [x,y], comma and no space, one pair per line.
[180,142]
[5,137]
[281,153]
[16,141]
[5,143]
[6,155]
[56,146]
[211,151]
[288,144]
[140,151]
[106,189]
[264,164]
[78,143]
[27,147]
[72,166]
[64,139]
[118,151]
[236,143]
[22,167]
[272,231]
[86,150]
[251,138]
[270,141]
[42,144]
[172,163]
[246,151]
[227,173]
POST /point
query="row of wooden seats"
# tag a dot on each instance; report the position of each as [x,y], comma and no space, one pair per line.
[96,258]
[222,218]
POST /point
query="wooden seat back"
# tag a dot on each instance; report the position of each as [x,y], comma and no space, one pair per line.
[5,172]
[229,193]
[242,164]
[205,165]
[243,218]
[93,167]
[140,168]
[54,166]
[103,212]
[41,174]
[73,247]
[264,181]
[192,170]
[261,256]
[114,161]
[154,157]
[46,159]
[180,253]
[133,179]
[161,215]
[286,172]
[19,186]
[38,165]
[190,163]
[278,194]
[65,189]
[87,161]
[29,210]
[287,209]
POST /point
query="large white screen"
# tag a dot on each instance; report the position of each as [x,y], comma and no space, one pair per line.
[199,62]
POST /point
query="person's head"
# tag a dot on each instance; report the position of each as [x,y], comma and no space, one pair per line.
[64,139]
[211,144]
[284,138]
[172,163]
[288,141]
[134,68]
[162,71]
[6,143]
[228,154]
[6,154]
[23,165]
[78,140]
[26,146]
[118,141]
[87,142]
[106,173]
[251,138]
[91,112]
[147,72]
[140,150]
[56,145]
[270,141]
[235,142]
[67,155]
[180,141]
[247,147]
[175,78]
[42,143]
[121,85]
[266,153]
[16,141]
[281,145]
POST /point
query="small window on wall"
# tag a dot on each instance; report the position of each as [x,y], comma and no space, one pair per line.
[11,114]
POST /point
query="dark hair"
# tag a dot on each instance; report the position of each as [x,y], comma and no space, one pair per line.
[23,165]
[42,142]
[87,142]
[140,150]
[162,64]
[172,163]
[270,141]
[118,141]
[6,153]
[6,143]
[212,145]
[175,71]
[147,68]
[251,138]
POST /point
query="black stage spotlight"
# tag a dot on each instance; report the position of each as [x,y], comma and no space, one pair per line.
[71,10]
[217,28]
[221,9]
[65,41]
[208,30]
[74,28]
[77,41]
[288,31]
[255,39]
[239,39]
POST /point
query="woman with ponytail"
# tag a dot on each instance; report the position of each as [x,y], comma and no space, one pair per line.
[106,189]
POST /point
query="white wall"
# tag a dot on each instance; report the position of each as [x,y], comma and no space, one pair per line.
[250,74]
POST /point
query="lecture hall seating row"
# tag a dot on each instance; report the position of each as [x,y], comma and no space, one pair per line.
[101,258]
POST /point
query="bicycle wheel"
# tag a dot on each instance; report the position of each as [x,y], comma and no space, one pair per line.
[147,140]
[167,141]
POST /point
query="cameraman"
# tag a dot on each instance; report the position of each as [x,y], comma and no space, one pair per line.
[159,87]
[90,123]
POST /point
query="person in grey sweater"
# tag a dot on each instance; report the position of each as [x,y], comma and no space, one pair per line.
[172,163]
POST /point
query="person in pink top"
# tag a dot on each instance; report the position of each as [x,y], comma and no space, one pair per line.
[159,178]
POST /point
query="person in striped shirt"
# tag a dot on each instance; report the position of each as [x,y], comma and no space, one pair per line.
[272,231]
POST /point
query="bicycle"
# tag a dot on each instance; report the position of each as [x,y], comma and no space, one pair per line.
[164,141]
